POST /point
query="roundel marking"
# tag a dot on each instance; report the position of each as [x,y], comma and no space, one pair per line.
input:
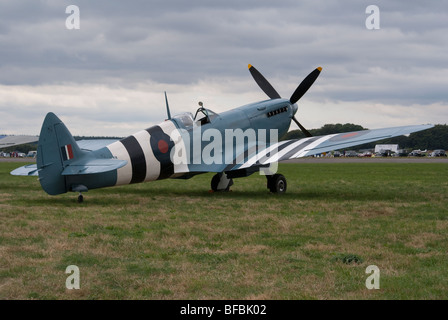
[163,146]
[349,135]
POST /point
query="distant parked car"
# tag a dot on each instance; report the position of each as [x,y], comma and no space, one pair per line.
[365,154]
[351,153]
[402,153]
[416,153]
[438,153]
[377,155]
[336,154]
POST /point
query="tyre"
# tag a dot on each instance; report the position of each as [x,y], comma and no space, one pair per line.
[277,184]
[215,182]
[220,182]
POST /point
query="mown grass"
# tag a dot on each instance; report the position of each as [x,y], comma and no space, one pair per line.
[173,239]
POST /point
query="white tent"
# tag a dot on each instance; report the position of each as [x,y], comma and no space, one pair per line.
[386,147]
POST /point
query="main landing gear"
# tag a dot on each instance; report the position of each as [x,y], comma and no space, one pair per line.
[276,183]
[220,182]
[80,198]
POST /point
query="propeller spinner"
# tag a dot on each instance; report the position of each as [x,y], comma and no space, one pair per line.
[298,93]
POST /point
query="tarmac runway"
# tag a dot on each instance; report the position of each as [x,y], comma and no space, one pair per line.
[370,160]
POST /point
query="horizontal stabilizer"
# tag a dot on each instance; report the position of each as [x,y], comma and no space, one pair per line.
[28,170]
[93,166]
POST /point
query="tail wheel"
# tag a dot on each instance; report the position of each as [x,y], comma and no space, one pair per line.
[277,183]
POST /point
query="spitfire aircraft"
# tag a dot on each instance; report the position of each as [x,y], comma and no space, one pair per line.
[232,144]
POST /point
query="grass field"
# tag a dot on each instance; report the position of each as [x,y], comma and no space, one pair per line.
[173,239]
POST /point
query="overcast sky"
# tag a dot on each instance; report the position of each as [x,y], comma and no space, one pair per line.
[108,77]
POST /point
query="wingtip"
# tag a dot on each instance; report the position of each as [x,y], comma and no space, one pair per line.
[319,68]
[249,66]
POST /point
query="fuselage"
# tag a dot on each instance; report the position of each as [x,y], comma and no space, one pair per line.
[149,152]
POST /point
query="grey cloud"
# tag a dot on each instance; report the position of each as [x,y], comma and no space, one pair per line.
[184,42]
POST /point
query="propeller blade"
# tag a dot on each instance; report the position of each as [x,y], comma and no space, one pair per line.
[305,85]
[263,83]
[167,107]
[305,132]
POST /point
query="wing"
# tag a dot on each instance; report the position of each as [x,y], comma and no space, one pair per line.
[255,156]
[11,141]
[87,145]
[297,148]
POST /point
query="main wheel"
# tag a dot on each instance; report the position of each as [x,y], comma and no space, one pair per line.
[80,198]
[215,182]
[269,182]
[277,183]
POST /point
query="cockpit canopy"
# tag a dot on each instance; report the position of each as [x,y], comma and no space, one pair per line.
[204,116]
[201,117]
[185,120]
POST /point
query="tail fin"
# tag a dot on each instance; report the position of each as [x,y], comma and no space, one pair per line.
[56,149]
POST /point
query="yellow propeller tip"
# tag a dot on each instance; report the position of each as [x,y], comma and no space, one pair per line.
[319,68]
[250,66]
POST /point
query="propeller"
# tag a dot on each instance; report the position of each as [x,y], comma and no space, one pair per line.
[298,93]
[305,132]
[167,107]
[305,85]
[263,83]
